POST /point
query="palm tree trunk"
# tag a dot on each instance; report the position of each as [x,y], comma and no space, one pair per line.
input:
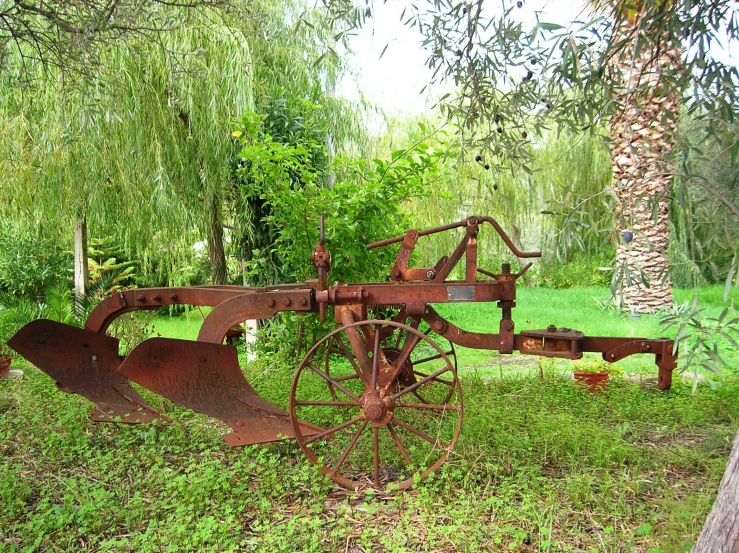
[642,133]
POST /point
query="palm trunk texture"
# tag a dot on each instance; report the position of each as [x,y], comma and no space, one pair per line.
[642,137]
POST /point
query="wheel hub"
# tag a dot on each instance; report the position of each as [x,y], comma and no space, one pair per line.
[376,409]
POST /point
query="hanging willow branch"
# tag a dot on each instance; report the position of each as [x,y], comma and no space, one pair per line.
[71,34]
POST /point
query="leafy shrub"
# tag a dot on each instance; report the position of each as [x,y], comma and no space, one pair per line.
[132,328]
[29,263]
[105,257]
[15,312]
[702,340]
[365,204]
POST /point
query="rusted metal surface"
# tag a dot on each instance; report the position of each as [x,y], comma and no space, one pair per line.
[254,305]
[390,366]
[139,299]
[85,363]
[207,378]
[552,342]
[615,349]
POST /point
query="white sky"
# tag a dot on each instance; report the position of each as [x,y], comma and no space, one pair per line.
[394,81]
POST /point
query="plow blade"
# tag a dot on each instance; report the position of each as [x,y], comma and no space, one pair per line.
[85,363]
[206,378]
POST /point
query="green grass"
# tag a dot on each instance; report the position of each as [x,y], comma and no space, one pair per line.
[184,327]
[541,466]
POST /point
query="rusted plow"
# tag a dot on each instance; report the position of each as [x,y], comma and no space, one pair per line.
[376,403]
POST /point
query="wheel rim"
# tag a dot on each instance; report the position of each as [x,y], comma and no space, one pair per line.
[384,425]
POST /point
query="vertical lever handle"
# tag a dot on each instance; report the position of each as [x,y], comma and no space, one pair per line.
[322,260]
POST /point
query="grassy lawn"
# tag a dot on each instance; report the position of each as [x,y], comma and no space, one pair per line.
[541,465]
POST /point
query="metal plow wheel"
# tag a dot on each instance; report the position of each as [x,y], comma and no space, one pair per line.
[207,378]
[382,424]
[85,363]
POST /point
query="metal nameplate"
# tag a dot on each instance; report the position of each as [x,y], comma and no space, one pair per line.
[460,293]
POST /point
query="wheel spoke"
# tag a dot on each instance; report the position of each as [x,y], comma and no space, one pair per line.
[401,336]
[427,359]
[405,353]
[433,358]
[433,406]
[375,359]
[359,347]
[395,436]
[337,351]
[335,403]
[347,377]
[349,448]
[415,393]
[336,428]
[376,432]
[424,375]
[350,356]
[332,381]
[418,433]
[421,382]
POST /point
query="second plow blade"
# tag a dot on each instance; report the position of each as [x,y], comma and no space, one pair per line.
[85,363]
[206,378]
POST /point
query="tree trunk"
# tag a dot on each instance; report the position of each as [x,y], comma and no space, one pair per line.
[642,133]
[216,252]
[720,534]
[81,268]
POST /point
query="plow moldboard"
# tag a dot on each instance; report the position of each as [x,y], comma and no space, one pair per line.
[206,378]
[85,363]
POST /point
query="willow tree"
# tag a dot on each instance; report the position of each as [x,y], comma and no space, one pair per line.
[73,35]
[138,143]
[136,151]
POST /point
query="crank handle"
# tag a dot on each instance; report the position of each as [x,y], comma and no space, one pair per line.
[463,223]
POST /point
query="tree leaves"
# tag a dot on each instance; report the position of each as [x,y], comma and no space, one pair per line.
[698,336]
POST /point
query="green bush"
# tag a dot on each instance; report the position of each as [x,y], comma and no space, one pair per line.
[365,204]
[29,263]
[582,271]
